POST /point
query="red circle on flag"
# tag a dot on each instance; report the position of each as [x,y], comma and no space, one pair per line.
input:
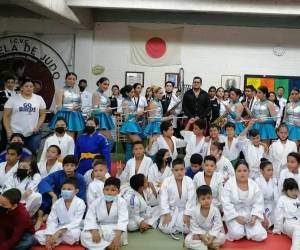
[156,47]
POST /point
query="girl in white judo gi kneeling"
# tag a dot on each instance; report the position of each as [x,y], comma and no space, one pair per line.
[243,206]
[106,219]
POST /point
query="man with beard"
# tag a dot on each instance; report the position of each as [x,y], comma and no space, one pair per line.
[196,102]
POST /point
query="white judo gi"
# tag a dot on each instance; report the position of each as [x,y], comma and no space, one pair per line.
[98,218]
[94,191]
[140,211]
[161,143]
[235,205]
[252,155]
[270,193]
[34,200]
[42,165]
[192,146]
[284,174]
[224,167]
[62,218]
[170,202]
[278,153]
[156,177]
[233,151]
[4,176]
[287,219]
[212,225]
[65,143]
[216,185]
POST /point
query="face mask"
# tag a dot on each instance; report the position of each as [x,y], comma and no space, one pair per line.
[67,194]
[22,173]
[90,129]
[60,130]
[81,88]
[169,160]
[110,198]
[3,210]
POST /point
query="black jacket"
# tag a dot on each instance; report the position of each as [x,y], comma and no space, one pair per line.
[193,106]
[215,109]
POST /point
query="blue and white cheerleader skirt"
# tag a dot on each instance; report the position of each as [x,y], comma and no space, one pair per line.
[153,128]
[130,126]
[294,132]
[266,130]
[74,119]
[105,120]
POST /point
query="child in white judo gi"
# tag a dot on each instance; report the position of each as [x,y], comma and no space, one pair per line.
[224,166]
[141,215]
[211,178]
[292,170]
[287,213]
[279,150]
[51,163]
[95,188]
[106,219]
[63,223]
[177,198]
[269,189]
[26,179]
[206,230]
[243,206]
[10,166]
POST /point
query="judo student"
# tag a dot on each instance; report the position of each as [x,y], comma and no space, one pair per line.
[177,198]
[26,179]
[61,139]
[166,140]
[139,164]
[279,150]
[269,189]
[63,223]
[195,139]
[195,165]
[16,230]
[287,213]
[95,188]
[206,231]
[106,219]
[141,215]
[210,177]
[231,149]
[252,149]
[10,166]
[51,163]
[224,166]
[292,170]
[16,138]
[214,135]
[243,206]
[50,186]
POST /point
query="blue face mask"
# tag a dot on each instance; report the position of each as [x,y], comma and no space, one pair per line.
[110,198]
[67,194]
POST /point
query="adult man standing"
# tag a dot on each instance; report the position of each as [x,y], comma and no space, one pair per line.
[249,100]
[139,100]
[282,100]
[86,97]
[196,102]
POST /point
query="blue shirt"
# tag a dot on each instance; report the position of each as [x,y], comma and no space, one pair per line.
[189,172]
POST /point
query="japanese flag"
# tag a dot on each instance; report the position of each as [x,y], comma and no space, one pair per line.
[155,47]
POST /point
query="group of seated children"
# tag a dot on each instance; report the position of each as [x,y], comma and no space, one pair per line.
[97,210]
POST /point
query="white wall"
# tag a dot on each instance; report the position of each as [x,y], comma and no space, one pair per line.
[207,51]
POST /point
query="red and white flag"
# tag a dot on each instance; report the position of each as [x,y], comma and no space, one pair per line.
[155,47]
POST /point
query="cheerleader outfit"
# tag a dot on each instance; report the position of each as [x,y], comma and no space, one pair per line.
[292,115]
[74,118]
[104,118]
[232,116]
[266,128]
[130,126]
[153,127]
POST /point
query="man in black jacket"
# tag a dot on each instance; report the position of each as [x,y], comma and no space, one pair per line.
[196,102]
